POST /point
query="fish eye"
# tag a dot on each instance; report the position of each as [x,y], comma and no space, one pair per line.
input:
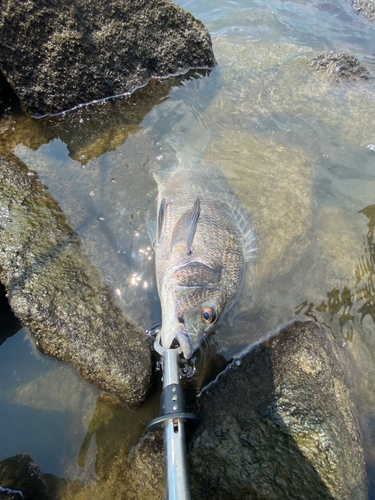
[208,314]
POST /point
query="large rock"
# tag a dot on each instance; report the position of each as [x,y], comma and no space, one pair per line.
[55,290]
[57,54]
[280,424]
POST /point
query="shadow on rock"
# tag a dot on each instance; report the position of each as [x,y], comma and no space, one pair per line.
[279,424]
[9,323]
[21,478]
[8,99]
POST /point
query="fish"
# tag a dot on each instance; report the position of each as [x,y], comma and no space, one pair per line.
[203,238]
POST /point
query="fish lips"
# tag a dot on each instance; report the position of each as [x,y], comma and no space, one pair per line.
[177,332]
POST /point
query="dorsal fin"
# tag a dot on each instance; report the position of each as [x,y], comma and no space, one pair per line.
[244,222]
[160,218]
[243,219]
[215,173]
[186,226]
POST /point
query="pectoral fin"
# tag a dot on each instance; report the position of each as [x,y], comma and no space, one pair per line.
[186,227]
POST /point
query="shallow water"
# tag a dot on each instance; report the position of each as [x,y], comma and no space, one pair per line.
[296,145]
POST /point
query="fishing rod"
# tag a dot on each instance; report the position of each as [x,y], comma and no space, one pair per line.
[172,419]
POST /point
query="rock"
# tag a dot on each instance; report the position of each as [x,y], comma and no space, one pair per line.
[341,65]
[21,478]
[364,7]
[59,54]
[146,472]
[55,290]
[280,424]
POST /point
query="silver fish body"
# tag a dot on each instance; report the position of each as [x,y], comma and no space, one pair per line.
[203,239]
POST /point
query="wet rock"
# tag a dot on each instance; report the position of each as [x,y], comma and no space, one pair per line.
[146,475]
[341,65]
[364,7]
[280,424]
[21,478]
[56,55]
[138,476]
[56,291]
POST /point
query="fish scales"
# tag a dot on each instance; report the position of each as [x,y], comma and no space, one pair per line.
[200,252]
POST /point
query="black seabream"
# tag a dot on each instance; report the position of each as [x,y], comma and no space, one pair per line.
[203,239]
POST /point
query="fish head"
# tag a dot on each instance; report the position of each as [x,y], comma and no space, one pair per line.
[201,319]
[194,317]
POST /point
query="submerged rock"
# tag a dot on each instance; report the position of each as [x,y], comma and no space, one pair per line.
[58,54]
[364,7]
[280,424]
[341,65]
[118,470]
[56,291]
[21,478]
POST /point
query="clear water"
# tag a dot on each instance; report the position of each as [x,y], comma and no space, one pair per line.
[297,146]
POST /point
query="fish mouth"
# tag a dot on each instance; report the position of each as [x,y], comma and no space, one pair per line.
[176,334]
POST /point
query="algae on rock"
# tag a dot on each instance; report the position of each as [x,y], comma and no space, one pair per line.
[59,54]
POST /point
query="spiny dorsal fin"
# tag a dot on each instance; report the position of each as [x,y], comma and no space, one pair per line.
[186,226]
[244,223]
[215,173]
[243,219]
[160,218]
